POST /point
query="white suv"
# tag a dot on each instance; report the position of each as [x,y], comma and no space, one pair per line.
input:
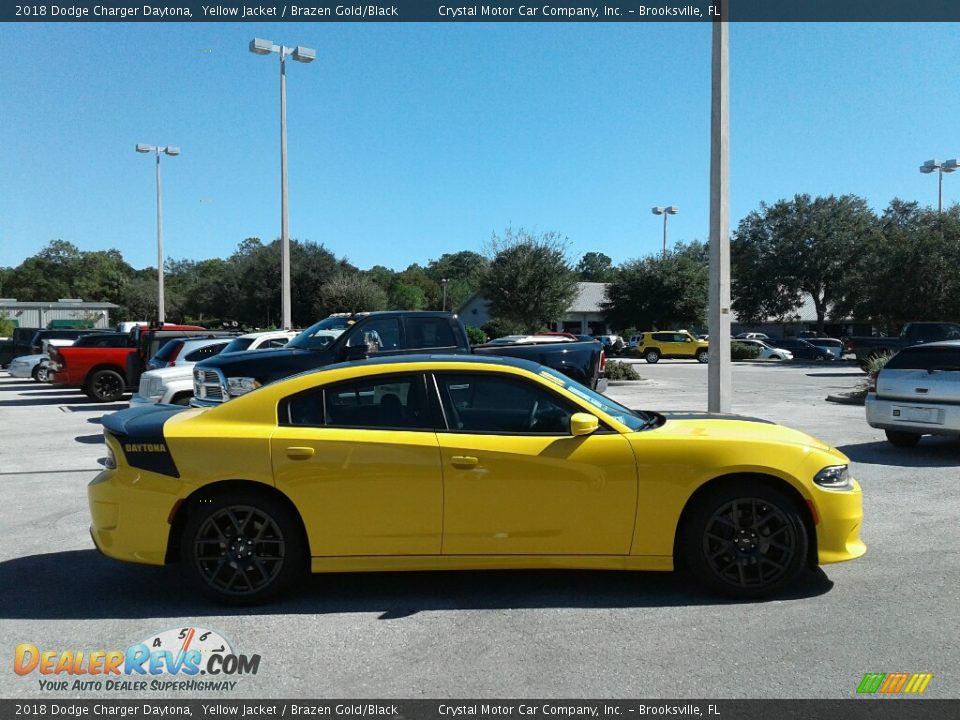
[174,385]
[917,393]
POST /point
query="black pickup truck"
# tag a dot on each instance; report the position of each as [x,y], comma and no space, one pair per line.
[913,333]
[342,338]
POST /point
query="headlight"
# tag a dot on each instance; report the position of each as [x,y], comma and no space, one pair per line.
[834,477]
[241,385]
[110,461]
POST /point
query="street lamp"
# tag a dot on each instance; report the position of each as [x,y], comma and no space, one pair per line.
[665,211]
[172,152]
[947,166]
[304,55]
[444,282]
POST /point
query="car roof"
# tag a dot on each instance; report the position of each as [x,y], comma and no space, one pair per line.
[939,343]
[439,358]
[264,333]
[193,342]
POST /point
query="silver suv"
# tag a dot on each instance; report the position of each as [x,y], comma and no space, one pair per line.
[917,393]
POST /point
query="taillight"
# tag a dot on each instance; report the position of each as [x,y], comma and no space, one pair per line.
[872,383]
[603,360]
[173,357]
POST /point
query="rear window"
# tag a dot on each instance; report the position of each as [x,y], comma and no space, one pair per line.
[169,350]
[205,352]
[925,358]
[238,344]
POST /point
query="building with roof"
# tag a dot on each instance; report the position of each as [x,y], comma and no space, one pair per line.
[65,312]
[583,317]
[803,319]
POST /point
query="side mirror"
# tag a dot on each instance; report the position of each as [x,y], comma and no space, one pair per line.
[355,352]
[583,424]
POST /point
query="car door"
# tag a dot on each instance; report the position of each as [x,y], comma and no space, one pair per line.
[362,457]
[516,482]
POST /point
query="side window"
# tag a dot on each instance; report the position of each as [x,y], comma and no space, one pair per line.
[379,403]
[488,403]
[275,343]
[663,337]
[205,352]
[680,337]
[382,333]
[431,332]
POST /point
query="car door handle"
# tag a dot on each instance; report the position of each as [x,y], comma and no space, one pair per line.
[299,453]
[922,390]
[464,461]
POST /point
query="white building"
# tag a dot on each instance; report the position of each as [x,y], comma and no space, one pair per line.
[65,311]
[584,316]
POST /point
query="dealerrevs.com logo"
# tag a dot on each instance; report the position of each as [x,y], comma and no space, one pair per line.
[189,659]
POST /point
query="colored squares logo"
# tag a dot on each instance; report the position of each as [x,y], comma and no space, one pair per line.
[894,683]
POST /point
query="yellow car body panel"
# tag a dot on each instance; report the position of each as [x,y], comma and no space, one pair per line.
[374,500]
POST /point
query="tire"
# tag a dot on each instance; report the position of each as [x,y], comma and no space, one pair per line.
[902,439]
[652,356]
[105,386]
[703,356]
[732,553]
[41,373]
[258,562]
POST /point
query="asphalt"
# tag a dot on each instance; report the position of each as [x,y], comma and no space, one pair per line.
[555,634]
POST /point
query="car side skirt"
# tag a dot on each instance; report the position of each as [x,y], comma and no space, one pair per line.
[489,562]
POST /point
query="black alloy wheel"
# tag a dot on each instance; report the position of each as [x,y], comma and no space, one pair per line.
[243,549]
[746,540]
[105,386]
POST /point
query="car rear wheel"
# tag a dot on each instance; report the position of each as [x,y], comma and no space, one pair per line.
[745,540]
[703,356]
[652,356]
[243,548]
[902,439]
[105,386]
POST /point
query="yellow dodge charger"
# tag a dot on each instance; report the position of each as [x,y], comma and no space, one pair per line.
[460,462]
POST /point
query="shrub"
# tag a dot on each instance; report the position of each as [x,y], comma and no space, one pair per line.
[476,335]
[620,371]
[498,327]
[742,351]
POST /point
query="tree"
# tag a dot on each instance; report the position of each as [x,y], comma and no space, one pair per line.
[463,272]
[909,271]
[349,292]
[796,248]
[662,292]
[530,281]
[595,267]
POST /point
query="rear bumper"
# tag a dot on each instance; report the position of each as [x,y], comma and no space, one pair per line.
[602,385]
[129,521]
[911,416]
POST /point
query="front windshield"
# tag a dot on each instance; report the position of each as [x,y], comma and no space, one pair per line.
[618,412]
[321,334]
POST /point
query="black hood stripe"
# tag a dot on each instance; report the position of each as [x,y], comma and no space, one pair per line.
[694,415]
[140,434]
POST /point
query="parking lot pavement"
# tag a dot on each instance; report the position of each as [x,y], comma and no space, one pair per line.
[511,634]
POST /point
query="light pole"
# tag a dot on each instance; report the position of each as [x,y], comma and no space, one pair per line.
[444,282]
[948,166]
[172,152]
[665,211]
[304,55]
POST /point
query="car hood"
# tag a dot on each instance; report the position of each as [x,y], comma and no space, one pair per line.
[719,426]
[175,372]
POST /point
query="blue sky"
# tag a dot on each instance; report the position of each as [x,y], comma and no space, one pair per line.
[407,141]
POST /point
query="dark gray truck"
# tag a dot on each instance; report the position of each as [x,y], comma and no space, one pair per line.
[342,338]
[913,333]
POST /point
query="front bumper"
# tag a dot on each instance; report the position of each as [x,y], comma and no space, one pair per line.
[839,517]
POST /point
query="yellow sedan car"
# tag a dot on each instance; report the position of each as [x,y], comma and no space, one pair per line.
[459,462]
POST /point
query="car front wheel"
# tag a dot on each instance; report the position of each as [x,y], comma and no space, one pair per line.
[41,373]
[745,540]
[703,356]
[902,439]
[651,356]
[243,548]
